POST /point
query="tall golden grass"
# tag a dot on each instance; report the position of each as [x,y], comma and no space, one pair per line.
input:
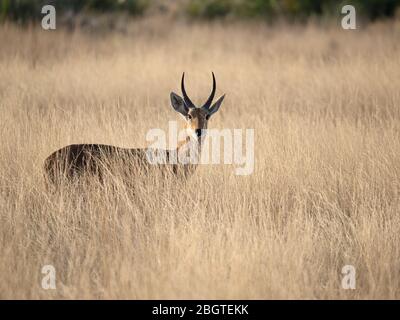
[324,104]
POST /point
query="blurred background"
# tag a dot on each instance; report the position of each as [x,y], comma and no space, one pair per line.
[324,106]
[87,12]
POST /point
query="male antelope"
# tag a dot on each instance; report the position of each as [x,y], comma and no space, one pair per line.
[73,160]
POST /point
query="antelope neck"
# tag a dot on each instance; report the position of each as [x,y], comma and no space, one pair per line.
[190,147]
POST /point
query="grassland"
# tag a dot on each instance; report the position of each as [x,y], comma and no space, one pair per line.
[324,104]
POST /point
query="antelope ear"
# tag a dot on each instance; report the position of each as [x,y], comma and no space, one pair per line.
[214,108]
[178,104]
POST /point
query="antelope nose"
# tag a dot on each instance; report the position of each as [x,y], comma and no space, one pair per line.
[198,132]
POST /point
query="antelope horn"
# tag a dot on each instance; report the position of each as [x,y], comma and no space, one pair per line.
[211,97]
[187,100]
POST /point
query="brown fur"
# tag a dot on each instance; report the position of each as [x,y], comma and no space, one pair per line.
[72,161]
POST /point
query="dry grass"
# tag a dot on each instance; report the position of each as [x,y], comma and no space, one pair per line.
[324,104]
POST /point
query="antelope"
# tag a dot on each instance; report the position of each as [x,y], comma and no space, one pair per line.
[74,160]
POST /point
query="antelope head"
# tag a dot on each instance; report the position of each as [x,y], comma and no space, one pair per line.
[196,118]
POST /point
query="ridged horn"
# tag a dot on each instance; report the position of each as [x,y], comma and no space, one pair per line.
[211,97]
[186,98]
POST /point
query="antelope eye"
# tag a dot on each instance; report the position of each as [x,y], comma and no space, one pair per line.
[207,117]
[189,116]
